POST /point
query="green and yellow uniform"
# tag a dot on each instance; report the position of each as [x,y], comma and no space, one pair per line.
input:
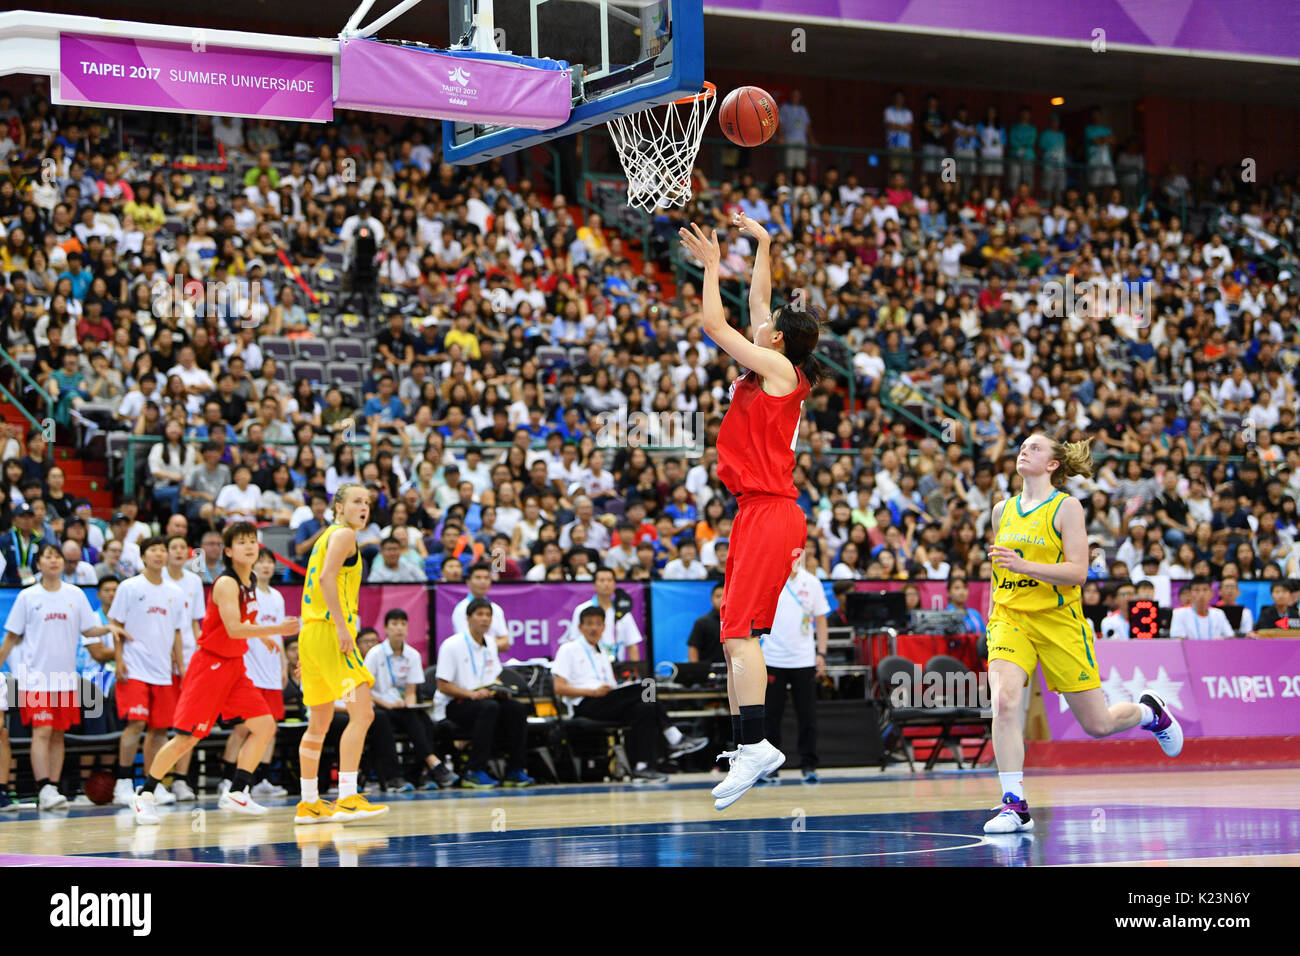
[1033,621]
[327,673]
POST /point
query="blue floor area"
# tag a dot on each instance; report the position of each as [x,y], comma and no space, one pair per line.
[1063,835]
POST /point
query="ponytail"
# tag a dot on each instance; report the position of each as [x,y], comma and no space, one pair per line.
[1075,458]
[800,329]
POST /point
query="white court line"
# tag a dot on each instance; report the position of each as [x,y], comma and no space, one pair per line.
[980,841]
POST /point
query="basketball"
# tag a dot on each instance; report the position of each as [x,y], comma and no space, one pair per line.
[99,787]
[748,116]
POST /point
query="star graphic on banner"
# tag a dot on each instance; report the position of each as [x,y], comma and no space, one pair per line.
[1133,688]
[1113,688]
[1167,689]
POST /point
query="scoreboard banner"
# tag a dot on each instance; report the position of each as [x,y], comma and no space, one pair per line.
[142,74]
[1226,688]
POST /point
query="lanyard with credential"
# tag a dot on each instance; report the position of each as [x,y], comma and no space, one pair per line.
[21,555]
[473,662]
[586,647]
[388,661]
[807,618]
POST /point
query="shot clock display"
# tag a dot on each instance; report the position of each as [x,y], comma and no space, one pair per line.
[1147,619]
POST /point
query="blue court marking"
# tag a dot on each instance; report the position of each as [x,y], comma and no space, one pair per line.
[1063,836]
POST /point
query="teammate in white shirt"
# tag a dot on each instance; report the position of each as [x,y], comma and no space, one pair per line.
[269,672]
[795,652]
[399,672]
[1114,626]
[151,611]
[584,680]
[1198,621]
[622,638]
[468,667]
[479,580]
[50,619]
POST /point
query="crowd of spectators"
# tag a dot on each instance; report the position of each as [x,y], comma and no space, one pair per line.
[477,444]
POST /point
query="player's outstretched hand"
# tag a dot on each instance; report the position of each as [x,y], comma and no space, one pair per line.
[270,645]
[290,626]
[704,248]
[751,227]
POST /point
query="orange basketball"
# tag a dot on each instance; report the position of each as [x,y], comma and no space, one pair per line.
[748,116]
[99,787]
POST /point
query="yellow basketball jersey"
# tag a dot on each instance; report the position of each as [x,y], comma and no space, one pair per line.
[1033,536]
[313,598]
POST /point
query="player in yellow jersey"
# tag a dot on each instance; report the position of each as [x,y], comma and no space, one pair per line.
[332,668]
[1040,562]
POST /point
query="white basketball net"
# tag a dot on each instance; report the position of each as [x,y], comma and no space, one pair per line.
[658,147]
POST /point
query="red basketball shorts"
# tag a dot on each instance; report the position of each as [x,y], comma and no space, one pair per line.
[767,538]
[215,686]
[56,709]
[152,703]
[274,698]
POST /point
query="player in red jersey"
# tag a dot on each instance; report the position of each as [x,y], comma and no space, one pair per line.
[756,462]
[216,684]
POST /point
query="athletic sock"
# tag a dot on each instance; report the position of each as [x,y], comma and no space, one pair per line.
[123,773]
[242,781]
[673,736]
[310,794]
[737,731]
[150,784]
[227,770]
[258,773]
[1148,716]
[752,724]
[42,784]
[347,784]
[1013,783]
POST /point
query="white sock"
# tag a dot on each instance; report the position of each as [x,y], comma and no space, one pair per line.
[673,736]
[1148,715]
[1013,783]
[309,791]
[347,785]
[640,765]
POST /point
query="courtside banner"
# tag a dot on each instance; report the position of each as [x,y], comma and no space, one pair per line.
[194,78]
[485,89]
[538,615]
[1228,688]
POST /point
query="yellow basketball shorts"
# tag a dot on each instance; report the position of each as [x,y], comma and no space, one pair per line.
[1060,637]
[327,673]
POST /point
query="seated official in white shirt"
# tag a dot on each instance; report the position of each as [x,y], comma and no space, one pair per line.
[621,637]
[1114,626]
[795,652]
[584,680]
[479,581]
[1198,621]
[469,695]
[1229,591]
[399,672]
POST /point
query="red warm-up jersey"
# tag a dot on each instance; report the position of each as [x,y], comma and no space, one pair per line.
[757,438]
[214,638]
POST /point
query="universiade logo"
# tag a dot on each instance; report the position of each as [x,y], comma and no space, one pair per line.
[457,90]
[458,76]
[681,431]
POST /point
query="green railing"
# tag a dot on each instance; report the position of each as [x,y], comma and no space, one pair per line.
[954,418]
[26,377]
[9,397]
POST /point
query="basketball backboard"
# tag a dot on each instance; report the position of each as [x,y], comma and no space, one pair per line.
[626,56]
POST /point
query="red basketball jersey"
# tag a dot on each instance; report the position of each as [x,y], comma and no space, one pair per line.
[757,438]
[214,638]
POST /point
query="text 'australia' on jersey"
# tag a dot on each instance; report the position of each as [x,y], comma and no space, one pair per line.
[313,598]
[1033,536]
[757,439]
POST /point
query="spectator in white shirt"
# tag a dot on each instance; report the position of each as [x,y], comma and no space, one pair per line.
[1114,626]
[686,566]
[468,672]
[479,580]
[399,673]
[75,570]
[241,500]
[1198,621]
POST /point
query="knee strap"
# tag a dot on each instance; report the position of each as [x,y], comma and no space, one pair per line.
[311,742]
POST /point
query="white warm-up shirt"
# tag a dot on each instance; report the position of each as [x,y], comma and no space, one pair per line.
[394,671]
[151,615]
[50,625]
[464,662]
[583,666]
[261,665]
[191,586]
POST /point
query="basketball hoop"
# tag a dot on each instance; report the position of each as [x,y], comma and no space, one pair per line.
[658,147]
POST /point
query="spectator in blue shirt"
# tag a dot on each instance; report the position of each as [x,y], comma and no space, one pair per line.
[385,410]
[213,426]
[304,538]
[571,429]
[958,592]
[536,428]
[79,277]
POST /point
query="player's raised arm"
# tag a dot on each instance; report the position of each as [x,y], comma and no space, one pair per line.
[760,286]
[770,364]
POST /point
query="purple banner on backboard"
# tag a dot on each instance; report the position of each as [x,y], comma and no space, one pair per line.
[1246,27]
[1216,688]
[180,78]
[384,78]
[538,615]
